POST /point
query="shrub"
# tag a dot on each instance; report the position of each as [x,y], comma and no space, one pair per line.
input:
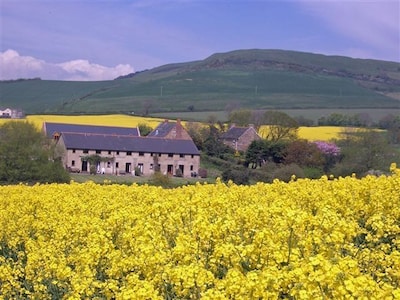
[160,179]
[286,172]
[202,173]
[237,175]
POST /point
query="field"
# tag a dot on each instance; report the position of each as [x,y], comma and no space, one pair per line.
[306,239]
[324,133]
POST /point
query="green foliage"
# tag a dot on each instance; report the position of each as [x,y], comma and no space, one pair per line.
[364,150]
[144,129]
[213,146]
[280,126]
[304,154]
[26,156]
[262,151]
[286,172]
[160,179]
[237,174]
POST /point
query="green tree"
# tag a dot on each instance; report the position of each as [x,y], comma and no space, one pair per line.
[144,129]
[365,150]
[279,126]
[261,151]
[304,154]
[240,117]
[27,156]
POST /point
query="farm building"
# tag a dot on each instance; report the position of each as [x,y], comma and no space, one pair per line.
[239,138]
[11,113]
[117,151]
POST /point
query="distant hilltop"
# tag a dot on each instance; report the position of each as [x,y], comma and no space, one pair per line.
[252,79]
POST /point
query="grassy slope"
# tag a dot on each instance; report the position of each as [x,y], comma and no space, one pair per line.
[257,79]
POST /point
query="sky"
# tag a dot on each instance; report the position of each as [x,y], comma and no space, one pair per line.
[103,39]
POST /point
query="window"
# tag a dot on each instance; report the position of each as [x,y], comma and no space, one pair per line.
[117,165]
[85,151]
[98,151]
[151,166]
[109,152]
[192,156]
[73,150]
[170,155]
[141,153]
[108,164]
[181,155]
[73,163]
[129,153]
[191,167]
[117,152]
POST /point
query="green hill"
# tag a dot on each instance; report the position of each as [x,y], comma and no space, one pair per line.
[254,79]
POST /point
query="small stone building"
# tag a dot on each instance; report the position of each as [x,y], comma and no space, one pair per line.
[239,138]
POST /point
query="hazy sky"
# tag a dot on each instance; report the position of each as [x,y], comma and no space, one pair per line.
[99,39]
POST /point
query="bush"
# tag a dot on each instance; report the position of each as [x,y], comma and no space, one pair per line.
[286,172]
[202,173]
[313,173]
[237,175]
[160,179]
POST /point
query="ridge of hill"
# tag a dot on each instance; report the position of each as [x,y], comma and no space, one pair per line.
[252,79]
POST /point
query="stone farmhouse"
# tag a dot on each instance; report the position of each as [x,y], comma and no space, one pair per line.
[122,150]
[239,138]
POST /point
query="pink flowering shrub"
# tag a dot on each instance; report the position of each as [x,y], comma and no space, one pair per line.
[328,148]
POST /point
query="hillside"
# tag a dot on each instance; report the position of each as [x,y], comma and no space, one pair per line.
[254,79]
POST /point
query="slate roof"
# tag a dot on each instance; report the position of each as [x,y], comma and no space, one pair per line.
[162,130]
[234,133]
[106,142]
[51,128]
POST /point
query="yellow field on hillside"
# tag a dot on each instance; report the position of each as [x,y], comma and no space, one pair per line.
[321,133]
[106,120]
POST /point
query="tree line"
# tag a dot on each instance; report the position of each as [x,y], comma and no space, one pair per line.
[281,154]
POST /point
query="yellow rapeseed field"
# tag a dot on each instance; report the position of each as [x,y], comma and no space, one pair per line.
[332,238]
[320,133]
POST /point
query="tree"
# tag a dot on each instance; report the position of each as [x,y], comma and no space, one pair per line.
[144,129]
[261,151]
[364,150]
[246,117]
[240,117]
[213,146]
[279,126]
[27,156]
[392,124]
[304,154]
